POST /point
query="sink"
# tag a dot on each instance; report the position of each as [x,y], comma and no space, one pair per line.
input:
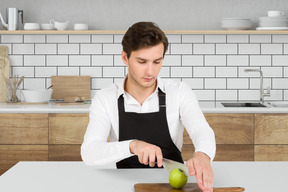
[243,105]
[279,103]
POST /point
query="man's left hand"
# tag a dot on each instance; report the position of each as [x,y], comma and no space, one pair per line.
[200,165]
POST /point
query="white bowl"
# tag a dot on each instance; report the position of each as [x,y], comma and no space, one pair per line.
[236,23]
[36,95]
[47,26]
[31,26]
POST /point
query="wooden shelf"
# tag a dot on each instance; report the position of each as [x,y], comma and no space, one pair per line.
[4,32]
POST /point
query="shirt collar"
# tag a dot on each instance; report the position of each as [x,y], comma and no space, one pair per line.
[121,85]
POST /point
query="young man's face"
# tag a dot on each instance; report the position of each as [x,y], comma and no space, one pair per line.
[144,65]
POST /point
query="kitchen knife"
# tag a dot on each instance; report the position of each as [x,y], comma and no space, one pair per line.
[169,165]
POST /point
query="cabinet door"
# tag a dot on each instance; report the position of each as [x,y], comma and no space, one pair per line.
[233,134]
[24,128]
[271,128]
[271,152]
[67,128]
[12,154]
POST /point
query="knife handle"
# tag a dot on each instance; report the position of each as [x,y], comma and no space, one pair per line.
[226,189]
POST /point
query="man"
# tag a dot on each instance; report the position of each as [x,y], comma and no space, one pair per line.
[144,116]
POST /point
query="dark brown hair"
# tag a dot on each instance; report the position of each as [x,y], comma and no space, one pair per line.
[142,35]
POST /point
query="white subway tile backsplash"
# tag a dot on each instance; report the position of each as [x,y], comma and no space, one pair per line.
[181,49]
[215,60]
[23,49]
[91,71]
[285,71]
[272,71]
[237,83]
[34,60]
[226,72]
[113,72]
[260,60]
[79,60]
[23,71]
[226,95]
[101,38]
[215,83]
[249,95]
[11,38]
[174,38]
[16,60]
[68,71]
[286,95]
[102,60]
[203,49]
[255,83]
[45,49]
[194,83]
[237,60]
[164,72]
[68,49]
[57,38]
[275,95]
[34,83]
[118,38]
[279,60]
[181,71]
[237,38]
[192,38]
[280,38]
[285,52]
[203,71]
[57,60]
[280,83]
[92,49]
[34,38]
[271,48]
[205,95]
[226,49]
[260,38]
[172,60]
[48,82]
[112,48]
[214,38]
[45,71]
[192,60]
[117,60]
[79,39]
[249,49]
[242,73]
[100,83]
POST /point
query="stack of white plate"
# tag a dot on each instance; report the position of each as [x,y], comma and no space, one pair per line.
[236,23]
[273,23]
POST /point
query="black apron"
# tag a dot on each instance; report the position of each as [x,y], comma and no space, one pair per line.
[149,127]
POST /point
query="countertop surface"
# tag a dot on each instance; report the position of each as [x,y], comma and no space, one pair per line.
[207,107]
[76,176]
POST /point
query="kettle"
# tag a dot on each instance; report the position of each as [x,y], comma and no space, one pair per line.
[12,17]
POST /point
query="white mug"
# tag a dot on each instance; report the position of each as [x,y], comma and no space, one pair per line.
[80,26]
[275,13]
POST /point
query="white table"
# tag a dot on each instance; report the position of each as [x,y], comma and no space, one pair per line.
[77,177]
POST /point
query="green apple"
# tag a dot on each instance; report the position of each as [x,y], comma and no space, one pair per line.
[177,178]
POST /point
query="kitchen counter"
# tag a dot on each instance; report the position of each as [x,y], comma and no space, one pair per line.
[76,176]
[207,107]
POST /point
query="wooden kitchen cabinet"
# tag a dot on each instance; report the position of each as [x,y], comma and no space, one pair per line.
[64,153]
[233,134]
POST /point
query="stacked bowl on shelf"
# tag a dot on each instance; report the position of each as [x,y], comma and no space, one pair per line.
[274,21]
[236,23]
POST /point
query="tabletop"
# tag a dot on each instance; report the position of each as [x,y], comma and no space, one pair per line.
[44,176]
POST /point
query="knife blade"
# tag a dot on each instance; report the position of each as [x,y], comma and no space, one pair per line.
[169,165]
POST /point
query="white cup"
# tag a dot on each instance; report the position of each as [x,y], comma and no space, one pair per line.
[80,26]
[275,13]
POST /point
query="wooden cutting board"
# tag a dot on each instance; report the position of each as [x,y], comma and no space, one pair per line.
[4,72]
[64,86]
[191,187]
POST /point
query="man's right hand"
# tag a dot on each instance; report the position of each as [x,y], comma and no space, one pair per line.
[147,153]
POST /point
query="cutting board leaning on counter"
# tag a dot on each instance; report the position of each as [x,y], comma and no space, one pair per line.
[4,73]
[144,116]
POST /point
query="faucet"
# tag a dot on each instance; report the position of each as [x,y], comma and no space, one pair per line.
[262,94]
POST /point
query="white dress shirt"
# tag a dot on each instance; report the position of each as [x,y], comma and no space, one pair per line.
[182,110]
